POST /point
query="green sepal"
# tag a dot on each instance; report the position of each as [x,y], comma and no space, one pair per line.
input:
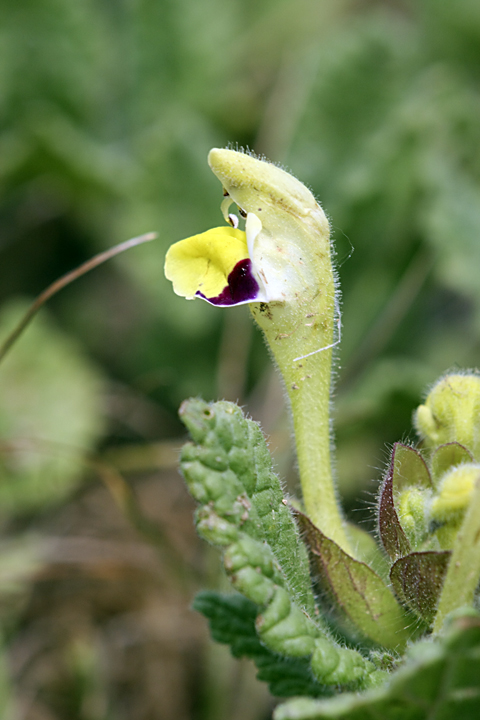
[401,505]
[451,413]
[438,680]
[447,456]
[356,589]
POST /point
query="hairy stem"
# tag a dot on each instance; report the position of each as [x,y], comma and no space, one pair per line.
[293,331]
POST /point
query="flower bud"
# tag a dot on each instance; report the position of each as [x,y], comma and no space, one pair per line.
[449,505]
[411,513]
[451,413]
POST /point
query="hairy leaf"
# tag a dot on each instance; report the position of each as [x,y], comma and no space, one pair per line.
[407,469]
[418,579]
[439,680]
[240,504]
[356,589]
[232,622]
[229,468]
[390,530]
[368,551]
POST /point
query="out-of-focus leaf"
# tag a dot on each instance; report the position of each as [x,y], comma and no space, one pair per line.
[50,414]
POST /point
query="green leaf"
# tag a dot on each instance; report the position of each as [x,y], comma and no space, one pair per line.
[368,551]
[418,580]
[229,470]
[439,680]
[409,469]
[356,589]
[243,511]
[232,622]
[463,572]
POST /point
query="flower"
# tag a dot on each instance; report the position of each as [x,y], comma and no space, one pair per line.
[217,266]
[280,257]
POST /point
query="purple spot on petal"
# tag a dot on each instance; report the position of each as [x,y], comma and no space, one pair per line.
[241,287]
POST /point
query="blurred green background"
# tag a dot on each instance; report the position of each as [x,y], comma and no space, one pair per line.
[108,109]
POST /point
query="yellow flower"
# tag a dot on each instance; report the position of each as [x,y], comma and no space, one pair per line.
[283,253]
[216,266]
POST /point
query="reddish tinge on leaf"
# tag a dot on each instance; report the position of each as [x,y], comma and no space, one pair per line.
[407,469]
[418,580]
[355,588]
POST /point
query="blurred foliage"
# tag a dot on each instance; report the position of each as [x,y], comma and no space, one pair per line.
[50,415]
[107,112]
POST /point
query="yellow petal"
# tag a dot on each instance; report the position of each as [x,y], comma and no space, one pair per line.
[202,263]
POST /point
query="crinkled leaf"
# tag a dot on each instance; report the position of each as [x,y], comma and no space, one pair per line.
[439,680]
[242,510]
[355,588]
[418,579]
[447,456]
[232,622]
[228,469]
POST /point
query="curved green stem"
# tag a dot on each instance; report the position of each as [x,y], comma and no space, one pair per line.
[293,331]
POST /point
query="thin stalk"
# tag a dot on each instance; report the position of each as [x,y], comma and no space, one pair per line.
[66,279]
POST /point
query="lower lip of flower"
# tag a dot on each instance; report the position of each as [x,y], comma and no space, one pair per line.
[242,287]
